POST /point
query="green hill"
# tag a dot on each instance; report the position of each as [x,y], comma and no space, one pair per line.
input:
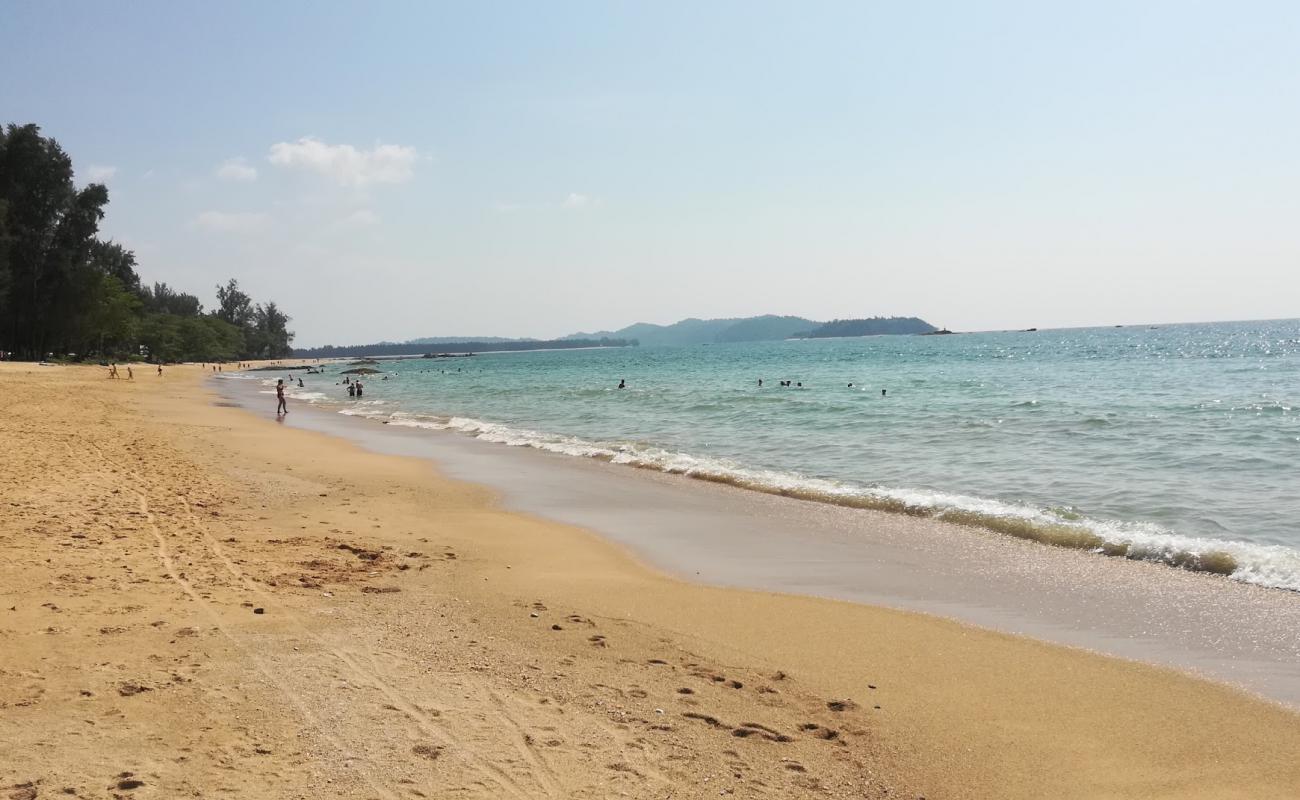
[874,326]
[693,331]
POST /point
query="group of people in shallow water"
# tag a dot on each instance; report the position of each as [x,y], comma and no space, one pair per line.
[355,389]
[622,384]
[799,385]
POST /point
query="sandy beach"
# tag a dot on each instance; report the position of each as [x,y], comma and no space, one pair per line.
[196,601]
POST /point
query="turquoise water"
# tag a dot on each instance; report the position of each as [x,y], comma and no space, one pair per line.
[1176,443]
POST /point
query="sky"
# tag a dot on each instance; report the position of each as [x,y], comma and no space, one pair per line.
[386,171]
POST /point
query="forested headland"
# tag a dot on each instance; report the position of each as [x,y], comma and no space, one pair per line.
[66,293]
[872,326]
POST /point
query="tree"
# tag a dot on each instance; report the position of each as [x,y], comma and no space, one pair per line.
[111,258]
[235,307]
[64,290]
[162,299]
[271,336]
[112,318]
[160,334]
[5,241]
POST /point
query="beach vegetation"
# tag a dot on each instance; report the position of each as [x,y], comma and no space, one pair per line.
[64,290]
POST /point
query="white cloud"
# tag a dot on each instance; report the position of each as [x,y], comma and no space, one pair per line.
[579,200]
[97,174]
[345,164]
[236,169]
[361,218]
[230,222]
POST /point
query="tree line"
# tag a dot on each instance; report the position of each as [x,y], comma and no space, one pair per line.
[65,292]
[872,326]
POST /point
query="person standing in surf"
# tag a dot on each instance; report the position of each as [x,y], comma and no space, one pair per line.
[281,406]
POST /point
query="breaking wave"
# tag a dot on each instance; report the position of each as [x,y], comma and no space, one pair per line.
[1273,566]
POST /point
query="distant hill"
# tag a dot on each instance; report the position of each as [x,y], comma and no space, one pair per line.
[875,326]
[453,339]
[709,331]
[418,347]
[765,328]
[691,331]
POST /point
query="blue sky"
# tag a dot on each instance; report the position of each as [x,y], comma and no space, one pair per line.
[388,170]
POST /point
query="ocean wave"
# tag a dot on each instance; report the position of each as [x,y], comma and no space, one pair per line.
[1273,566]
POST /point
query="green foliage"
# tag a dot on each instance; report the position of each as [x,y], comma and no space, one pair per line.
[64,291]
[162,299]
[113,315]
[235,307]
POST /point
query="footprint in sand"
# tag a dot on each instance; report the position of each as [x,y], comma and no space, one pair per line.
[711,721]
[748,729]
[819,731]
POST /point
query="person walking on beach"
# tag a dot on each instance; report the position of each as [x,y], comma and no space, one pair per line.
[160,370]
[281,407]
[130,376]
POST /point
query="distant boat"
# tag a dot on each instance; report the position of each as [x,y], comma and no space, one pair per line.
[1030,330]
[943,332]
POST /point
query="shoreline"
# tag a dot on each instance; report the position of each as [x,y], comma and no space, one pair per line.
[1241,634]
[1260,563]
[252,608]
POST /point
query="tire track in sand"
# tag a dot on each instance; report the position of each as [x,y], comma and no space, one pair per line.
[541,775]
[164,557]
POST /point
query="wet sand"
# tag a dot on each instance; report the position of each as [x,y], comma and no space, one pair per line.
[1209,625]
[197,601]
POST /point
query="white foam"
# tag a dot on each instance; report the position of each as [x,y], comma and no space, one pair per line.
[1265,565]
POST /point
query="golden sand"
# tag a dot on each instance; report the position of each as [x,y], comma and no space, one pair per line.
[197,602]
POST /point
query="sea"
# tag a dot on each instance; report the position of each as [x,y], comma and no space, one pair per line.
[1170,443]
